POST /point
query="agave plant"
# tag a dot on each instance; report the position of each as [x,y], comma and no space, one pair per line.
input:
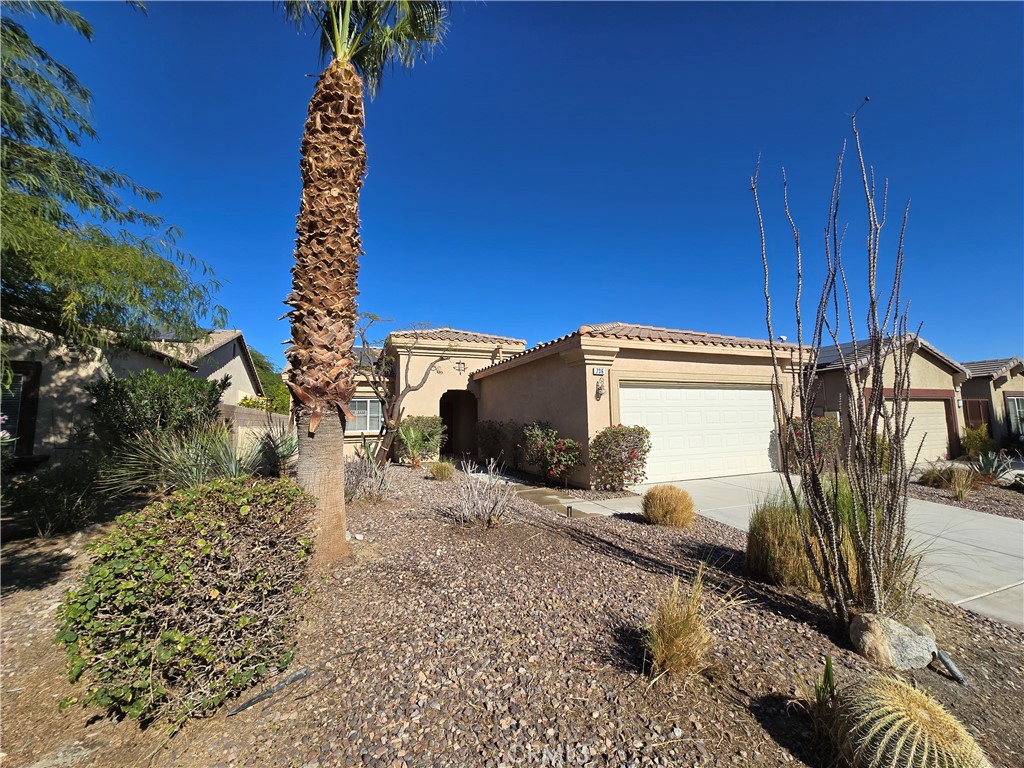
[993,466]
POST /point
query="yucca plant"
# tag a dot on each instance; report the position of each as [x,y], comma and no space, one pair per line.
[882,722]
[165,461]
[359,40]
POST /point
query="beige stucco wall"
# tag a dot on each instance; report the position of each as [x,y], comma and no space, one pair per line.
[64,372]
[927,372]
[542,389]
[995,391]
[559,384]
[227,360]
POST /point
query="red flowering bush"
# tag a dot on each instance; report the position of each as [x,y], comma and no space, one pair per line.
[826,434]
[618,455]
[556,456]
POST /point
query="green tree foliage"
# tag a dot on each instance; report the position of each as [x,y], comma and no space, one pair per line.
[274,388]
[150,402]
[79,259]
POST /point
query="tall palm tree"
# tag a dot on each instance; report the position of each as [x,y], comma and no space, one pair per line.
[360,41]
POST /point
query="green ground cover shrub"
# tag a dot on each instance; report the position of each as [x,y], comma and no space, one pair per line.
[618,456]
[554,455]
[190,600]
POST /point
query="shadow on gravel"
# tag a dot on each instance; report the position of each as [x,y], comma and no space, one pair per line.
[790,728]
[25,565]
[627,649]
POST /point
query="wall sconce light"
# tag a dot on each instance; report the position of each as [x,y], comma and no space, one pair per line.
[599,392]
[959,403]
[460,367]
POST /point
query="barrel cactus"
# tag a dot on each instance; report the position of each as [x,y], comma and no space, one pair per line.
[882,722]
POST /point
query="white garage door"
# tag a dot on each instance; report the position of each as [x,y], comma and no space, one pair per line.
[929,425]
[697,432]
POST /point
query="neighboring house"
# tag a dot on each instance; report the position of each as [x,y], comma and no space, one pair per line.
[47,403]
[934,399]
[994,395]
[709,401]
[453,355]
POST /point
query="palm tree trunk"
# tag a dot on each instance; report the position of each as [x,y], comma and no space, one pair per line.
[323,298]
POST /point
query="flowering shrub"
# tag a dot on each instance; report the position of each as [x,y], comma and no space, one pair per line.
[618,455]
[826,434]
[556,456]
[257,402]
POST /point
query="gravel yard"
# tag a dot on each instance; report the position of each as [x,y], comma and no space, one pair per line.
[992,499]
[520,645]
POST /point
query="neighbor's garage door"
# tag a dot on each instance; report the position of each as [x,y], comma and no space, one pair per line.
[702,432]
[929,425]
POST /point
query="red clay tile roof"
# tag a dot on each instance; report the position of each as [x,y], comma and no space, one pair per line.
[671,336]
[649,333]
[992,368]
[455,335]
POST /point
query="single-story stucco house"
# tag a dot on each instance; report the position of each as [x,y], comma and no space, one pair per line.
[709,400]
[994,395]
[453,355]
[47,403]
[934,400]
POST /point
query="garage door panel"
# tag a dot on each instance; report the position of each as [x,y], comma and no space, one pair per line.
[702,432]
[928,430]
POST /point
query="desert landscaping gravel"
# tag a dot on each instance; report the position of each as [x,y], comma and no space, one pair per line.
[992,499]
[519,645]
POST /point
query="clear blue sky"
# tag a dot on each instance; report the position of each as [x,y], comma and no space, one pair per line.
[560,164]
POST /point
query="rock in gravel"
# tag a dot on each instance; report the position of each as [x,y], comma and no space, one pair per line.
[890,644]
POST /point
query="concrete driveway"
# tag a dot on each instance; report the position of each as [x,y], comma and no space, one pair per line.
[972,559]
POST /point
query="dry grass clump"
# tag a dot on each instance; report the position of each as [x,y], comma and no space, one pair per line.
[677,640]
[882,722]
[668,505]
[961,482]
[442,470]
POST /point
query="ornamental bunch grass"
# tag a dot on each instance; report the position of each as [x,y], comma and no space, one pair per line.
[882,722]
[168,461]
[442,470]
[668,505]
[677,640]
[776,552]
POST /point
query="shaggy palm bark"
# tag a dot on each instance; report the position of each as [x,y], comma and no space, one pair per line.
[323,298]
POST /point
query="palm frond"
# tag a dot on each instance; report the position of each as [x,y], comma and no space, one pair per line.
[378,36]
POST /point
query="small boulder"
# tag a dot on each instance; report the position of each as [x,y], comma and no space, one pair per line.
[890,644]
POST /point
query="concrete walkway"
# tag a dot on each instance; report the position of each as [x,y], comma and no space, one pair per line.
[972,559]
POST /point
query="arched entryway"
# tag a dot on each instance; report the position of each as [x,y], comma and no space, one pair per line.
[458,414]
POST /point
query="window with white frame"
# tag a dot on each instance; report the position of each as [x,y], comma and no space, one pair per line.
[1015,413]
[369,415]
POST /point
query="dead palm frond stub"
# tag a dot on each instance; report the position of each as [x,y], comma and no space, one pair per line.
[873,407]
[359,41]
